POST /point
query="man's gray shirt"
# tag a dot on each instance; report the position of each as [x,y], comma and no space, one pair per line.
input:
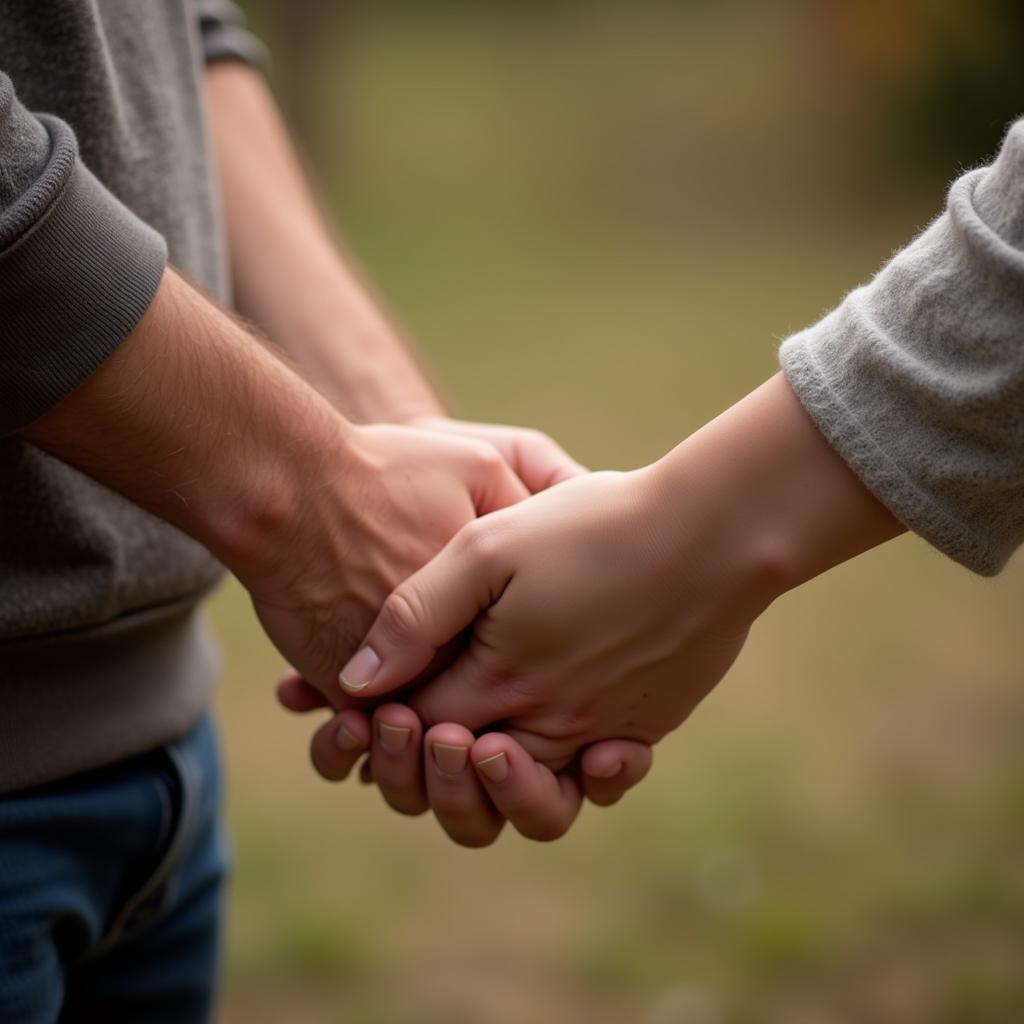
[105,173]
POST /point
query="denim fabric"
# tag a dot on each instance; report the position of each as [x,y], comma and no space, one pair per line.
[111,891]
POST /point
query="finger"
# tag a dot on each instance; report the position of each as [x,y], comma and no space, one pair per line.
[396,758]
[426,611]
[295,694]
[609,769]
[541,462]
[457,798]
[540,804]
[555,753]
[494,484]
[466,692]
[538,460]
[339,743]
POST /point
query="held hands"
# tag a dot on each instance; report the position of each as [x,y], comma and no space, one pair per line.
[472,785]
[609,606]
[598,610]
[402,496]
[417,489]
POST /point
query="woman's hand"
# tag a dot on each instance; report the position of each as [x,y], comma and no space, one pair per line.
[584,625]
[609,606]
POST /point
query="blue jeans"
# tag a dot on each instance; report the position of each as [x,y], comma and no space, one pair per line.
[111,891]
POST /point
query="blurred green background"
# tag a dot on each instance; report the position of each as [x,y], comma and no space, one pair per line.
[599,218]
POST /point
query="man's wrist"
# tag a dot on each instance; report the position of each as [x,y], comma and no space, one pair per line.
[286,489]
[194,420]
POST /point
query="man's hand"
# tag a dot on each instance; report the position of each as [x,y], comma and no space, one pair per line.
[538,460]
[609,606]
[194,420]
[293,279]
[405,493]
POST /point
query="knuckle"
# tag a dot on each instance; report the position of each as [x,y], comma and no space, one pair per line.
[567,725]
[400,615]
[538,440]
[479,541]
[488,459]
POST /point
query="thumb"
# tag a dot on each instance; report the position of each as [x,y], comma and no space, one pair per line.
[427,610]
[541,462]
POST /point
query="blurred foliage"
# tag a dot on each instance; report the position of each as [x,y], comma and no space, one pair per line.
[598,218]
[941,78]
[945,76]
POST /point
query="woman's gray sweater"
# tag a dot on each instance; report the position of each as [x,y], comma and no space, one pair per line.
[917,379]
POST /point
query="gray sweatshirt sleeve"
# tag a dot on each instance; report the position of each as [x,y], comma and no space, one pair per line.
[917,379]
[224,35]
[77,268]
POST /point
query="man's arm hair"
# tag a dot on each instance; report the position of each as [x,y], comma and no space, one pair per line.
[194,420]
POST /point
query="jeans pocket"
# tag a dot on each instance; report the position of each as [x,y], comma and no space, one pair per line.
[175,786]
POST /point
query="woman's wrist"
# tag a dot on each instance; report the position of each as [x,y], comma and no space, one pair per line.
[769,501]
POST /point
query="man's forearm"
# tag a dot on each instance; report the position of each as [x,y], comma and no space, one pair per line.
[194,420]
[290,276]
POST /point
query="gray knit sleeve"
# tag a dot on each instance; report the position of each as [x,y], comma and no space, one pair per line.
[77,268]
[917,379]
[224,35]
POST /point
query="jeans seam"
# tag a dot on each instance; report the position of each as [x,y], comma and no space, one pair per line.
[189,779]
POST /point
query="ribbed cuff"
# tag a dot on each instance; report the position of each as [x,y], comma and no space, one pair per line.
[72,288]
[877,466]
[225,37]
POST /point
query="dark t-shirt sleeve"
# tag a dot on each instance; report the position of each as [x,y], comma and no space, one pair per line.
[224,35]
[77,268]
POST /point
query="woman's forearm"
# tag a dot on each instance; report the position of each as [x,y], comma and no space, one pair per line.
[780,504]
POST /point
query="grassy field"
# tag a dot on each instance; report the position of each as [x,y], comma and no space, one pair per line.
[600,222]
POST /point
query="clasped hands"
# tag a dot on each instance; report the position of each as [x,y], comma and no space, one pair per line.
[537,645]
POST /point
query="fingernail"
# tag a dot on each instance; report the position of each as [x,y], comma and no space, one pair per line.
[347,740]
[450,760]
[614,770]
[393,738]
[495,768]
[360,670]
